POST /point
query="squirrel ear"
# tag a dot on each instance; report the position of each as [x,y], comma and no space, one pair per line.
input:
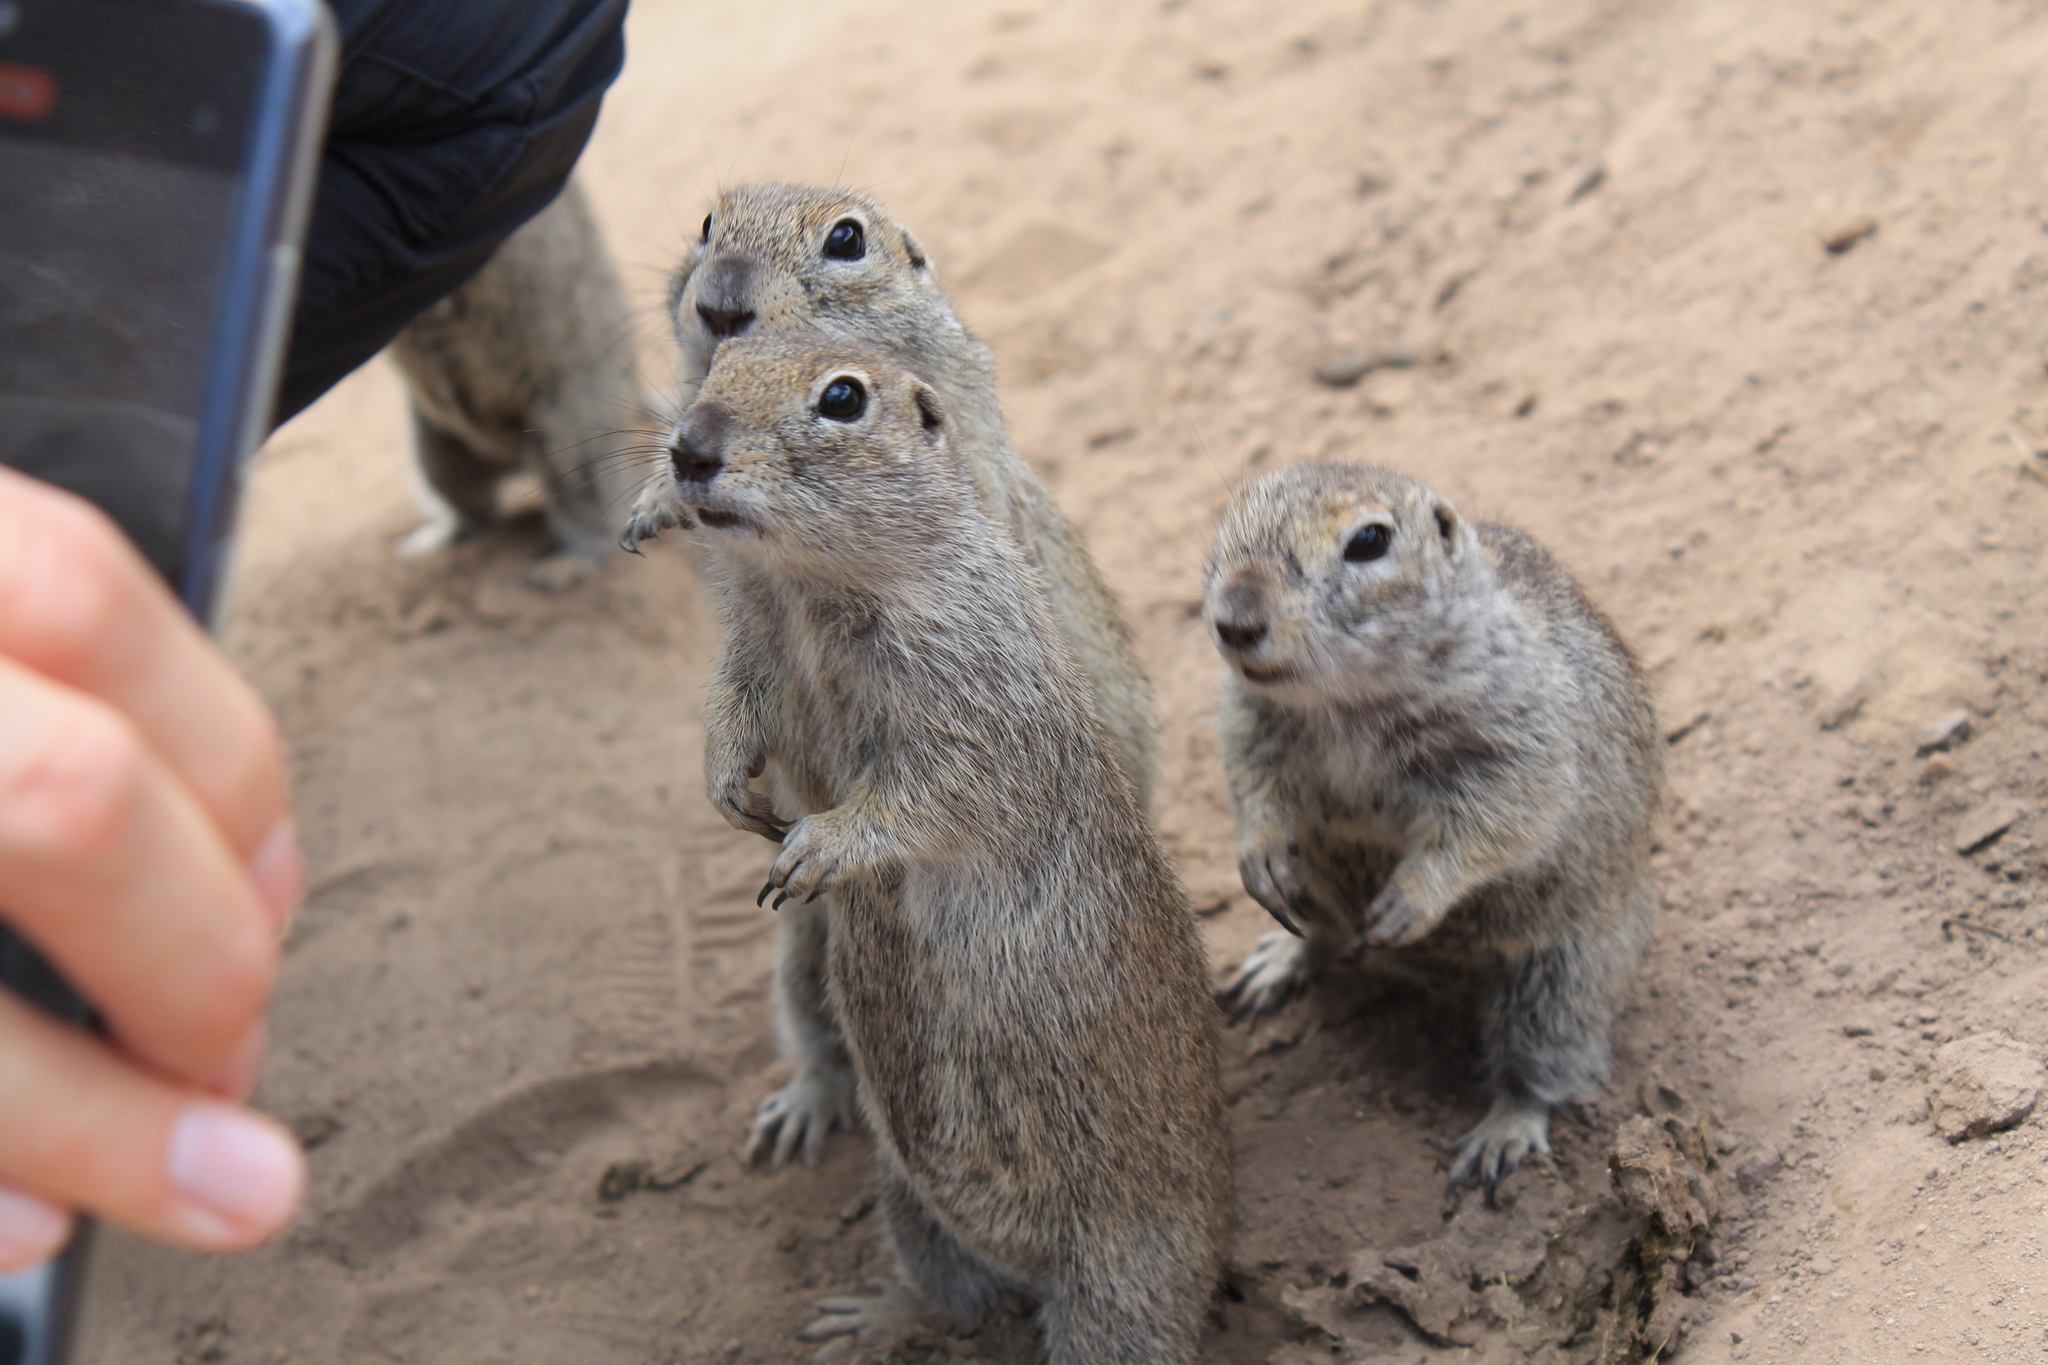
[913,250]
[930,411]
[1447,526]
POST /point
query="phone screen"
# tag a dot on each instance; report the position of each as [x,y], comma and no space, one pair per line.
[154,161]
[125,128]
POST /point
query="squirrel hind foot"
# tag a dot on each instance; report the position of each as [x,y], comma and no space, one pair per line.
[796,1119]
[867,1325]
[1512,1131]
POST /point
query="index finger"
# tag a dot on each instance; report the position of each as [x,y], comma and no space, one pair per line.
[79,605]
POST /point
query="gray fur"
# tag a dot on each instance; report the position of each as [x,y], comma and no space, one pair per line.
[761,270]
[1017,975]
[1445,752]
[763,256]
[530,365]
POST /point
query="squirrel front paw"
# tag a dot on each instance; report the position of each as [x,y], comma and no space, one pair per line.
[1267,867]
[742,806]
[815,857]
[1395,920]
[1275,969]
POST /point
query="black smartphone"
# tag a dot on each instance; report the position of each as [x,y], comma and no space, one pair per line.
[156,164]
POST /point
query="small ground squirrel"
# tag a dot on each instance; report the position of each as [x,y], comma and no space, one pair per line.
[1014,968]
[531,366]
[779,259]
[1438,746]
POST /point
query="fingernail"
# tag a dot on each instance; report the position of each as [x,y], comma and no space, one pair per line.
[279,871]
[241,1174]
[31,1231]
[238,1077]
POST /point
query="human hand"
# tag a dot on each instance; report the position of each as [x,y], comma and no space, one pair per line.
[146,849]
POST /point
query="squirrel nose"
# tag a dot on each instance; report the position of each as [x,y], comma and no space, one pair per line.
[697,449]
[694,464]
[1239,617]
[725,323]
[1240,635]
[725,295]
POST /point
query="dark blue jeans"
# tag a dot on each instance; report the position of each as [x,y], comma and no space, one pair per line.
[454,122]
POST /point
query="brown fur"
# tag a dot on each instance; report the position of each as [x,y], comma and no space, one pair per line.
[1013,965]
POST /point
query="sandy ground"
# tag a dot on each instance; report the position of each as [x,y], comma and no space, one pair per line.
[1804,481]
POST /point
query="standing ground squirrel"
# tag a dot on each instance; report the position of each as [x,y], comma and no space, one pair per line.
[530,366]
[1435,743]
[785,259]
[1015,969]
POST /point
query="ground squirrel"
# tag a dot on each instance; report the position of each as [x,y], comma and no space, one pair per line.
[1437,745]
[782,258]
[1015,969]
[530,367]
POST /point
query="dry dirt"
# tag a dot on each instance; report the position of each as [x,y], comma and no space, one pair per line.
[1738,304]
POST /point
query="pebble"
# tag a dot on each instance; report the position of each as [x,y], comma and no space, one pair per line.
[1944,732]
[1839,237]
[1984,1084]
[1756,1171]
[1344,369]
[1985,823]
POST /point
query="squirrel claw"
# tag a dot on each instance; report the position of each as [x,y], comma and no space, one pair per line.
[766,887]
[1286,920]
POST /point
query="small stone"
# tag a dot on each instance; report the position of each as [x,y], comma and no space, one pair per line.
[1938,767]
[1984,1084]
[1987,822]
[314,1129]
[1343,369]
[620,1179]
[1856,1029]
[1943,733]
[1756,1171]
[1838,710]
[1839,237]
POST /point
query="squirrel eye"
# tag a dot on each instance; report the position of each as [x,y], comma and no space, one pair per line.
[707,229]
[846,242]
[843,400]
[1370,543]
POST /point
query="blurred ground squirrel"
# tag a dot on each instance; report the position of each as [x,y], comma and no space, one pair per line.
[531,367]
[1015,969]
[1435,743]
[782,258]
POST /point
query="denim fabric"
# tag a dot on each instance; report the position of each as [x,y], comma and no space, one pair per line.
[454,122]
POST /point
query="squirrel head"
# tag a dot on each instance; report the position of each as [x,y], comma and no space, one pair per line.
[812,455]
[775,258]
[1335,583]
